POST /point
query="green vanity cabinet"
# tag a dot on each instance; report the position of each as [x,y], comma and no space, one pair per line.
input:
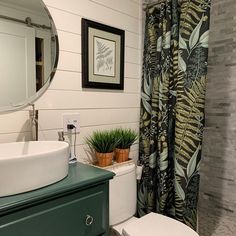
[76,206]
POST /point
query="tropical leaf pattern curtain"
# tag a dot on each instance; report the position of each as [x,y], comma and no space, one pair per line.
[172,108]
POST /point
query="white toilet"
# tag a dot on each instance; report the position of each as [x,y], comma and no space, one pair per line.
[123,206]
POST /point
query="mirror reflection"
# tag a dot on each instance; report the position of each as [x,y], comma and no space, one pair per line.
[28,46]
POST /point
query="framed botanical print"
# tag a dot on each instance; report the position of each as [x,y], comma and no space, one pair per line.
[102,56]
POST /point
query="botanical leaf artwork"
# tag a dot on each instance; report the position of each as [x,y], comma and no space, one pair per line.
[172,108]
[104,57]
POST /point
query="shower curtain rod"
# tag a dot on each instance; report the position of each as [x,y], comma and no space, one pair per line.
[149,5]
[27,21]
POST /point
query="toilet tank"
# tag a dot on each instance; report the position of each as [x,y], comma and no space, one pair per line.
[123,193]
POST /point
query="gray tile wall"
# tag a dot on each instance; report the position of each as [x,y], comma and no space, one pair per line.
[217,204]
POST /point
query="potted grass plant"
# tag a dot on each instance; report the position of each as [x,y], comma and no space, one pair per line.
[104,144]
[125,138]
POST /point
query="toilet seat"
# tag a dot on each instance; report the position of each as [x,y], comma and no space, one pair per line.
[119,227]
[156,224]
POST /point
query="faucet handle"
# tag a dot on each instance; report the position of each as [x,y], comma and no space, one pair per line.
[61,136]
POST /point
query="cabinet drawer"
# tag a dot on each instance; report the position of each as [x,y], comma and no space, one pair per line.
[84,213]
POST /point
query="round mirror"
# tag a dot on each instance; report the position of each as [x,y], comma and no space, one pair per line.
[29,52]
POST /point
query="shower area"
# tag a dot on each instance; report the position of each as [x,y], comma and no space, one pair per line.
[217,199]
[217,194]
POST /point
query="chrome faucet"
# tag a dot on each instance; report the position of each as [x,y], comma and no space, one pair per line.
[33,114]
[72,156]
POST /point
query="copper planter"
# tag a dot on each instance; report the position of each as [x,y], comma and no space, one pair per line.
[104,159]
[121,155]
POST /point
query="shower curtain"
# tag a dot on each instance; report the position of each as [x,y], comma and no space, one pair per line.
[172,108]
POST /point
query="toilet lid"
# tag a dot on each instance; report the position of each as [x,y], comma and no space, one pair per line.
[156,224]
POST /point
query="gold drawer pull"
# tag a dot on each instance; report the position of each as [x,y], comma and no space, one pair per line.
[88,220]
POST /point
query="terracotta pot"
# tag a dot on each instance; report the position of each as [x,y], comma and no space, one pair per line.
[104,159]
[121,155]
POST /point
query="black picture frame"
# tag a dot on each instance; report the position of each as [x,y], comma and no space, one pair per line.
[112,75]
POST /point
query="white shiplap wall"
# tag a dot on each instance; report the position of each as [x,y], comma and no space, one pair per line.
[98,109]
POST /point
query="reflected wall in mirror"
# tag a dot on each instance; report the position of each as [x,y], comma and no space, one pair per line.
[29,52]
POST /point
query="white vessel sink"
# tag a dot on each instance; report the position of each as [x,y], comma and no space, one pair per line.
[25,166]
